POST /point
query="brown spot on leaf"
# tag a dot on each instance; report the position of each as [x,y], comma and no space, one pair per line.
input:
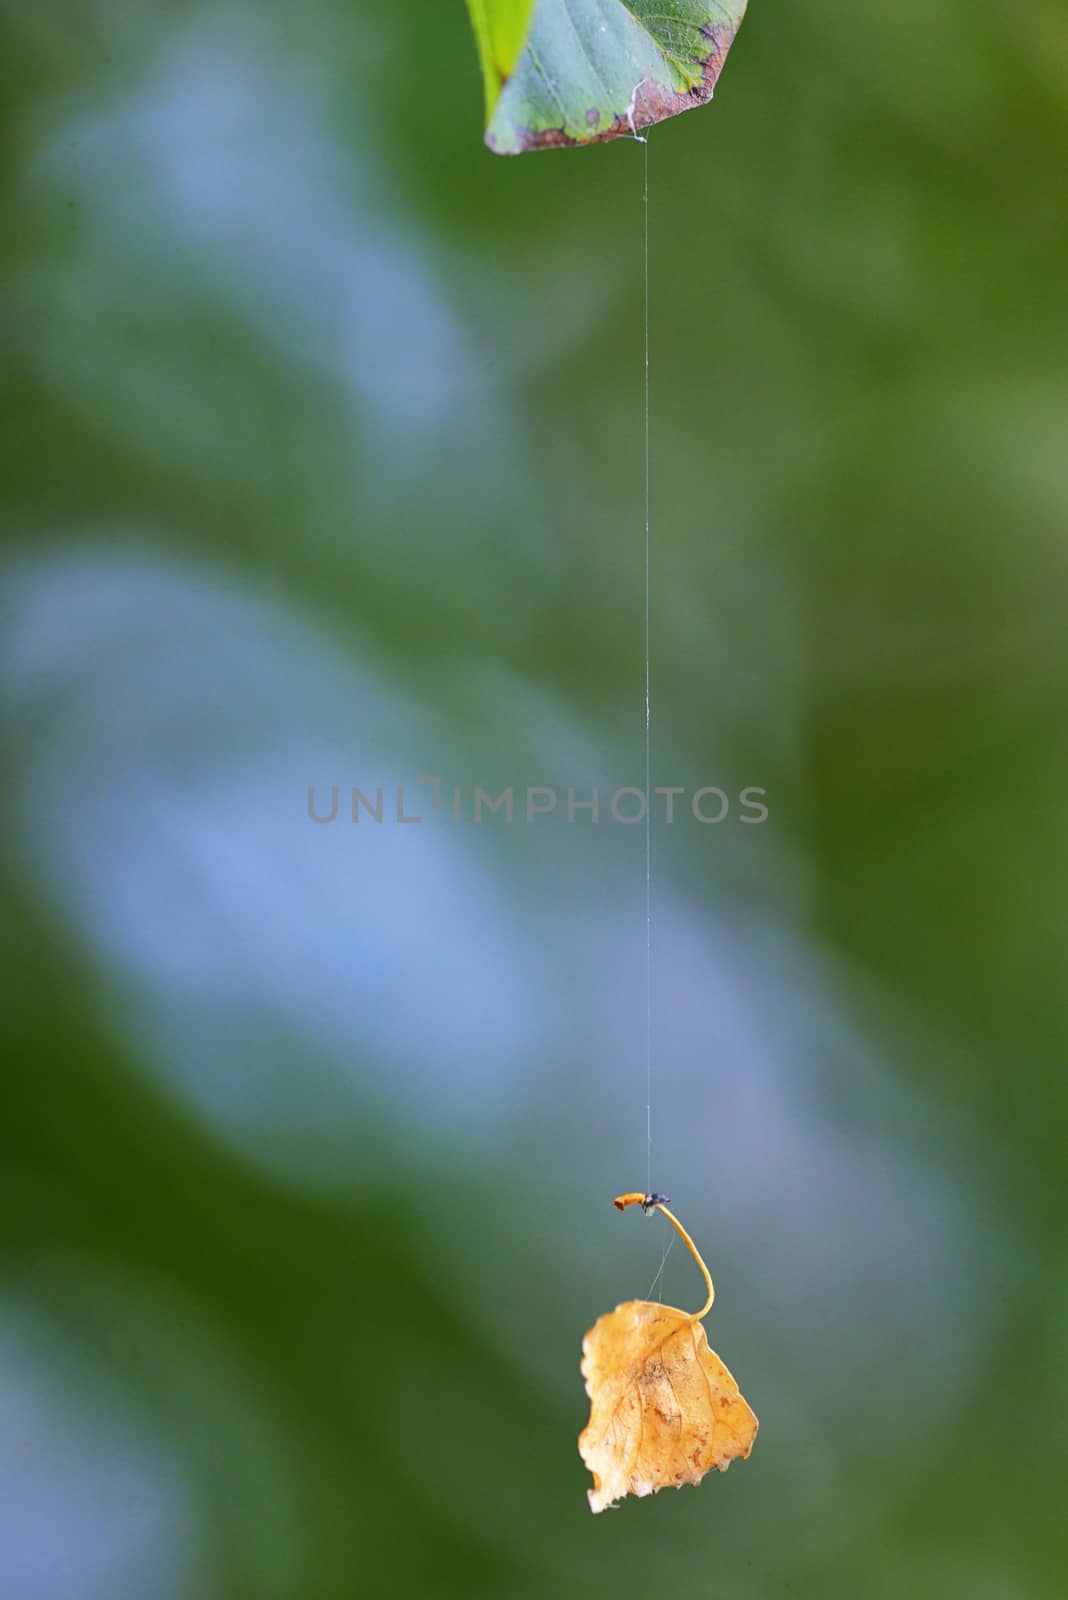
[593,117]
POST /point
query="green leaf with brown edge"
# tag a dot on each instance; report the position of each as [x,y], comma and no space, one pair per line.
[591,70]
[500,27]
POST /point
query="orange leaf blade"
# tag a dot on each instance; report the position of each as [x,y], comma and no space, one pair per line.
[664,1410]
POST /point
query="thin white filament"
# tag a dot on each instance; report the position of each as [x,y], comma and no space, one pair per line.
[659,1279]
[648,709]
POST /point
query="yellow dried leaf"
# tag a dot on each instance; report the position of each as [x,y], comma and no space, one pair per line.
[664,1410]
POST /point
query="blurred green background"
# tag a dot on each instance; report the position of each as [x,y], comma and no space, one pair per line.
[322,465]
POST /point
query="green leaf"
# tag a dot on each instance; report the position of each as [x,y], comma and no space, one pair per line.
[500,29]
[590,70]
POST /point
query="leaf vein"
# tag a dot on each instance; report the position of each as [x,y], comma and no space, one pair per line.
[585,52]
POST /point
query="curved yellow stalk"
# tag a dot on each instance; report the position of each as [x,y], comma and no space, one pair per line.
[656,1202]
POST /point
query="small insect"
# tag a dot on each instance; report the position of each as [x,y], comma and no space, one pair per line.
[648,1202]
